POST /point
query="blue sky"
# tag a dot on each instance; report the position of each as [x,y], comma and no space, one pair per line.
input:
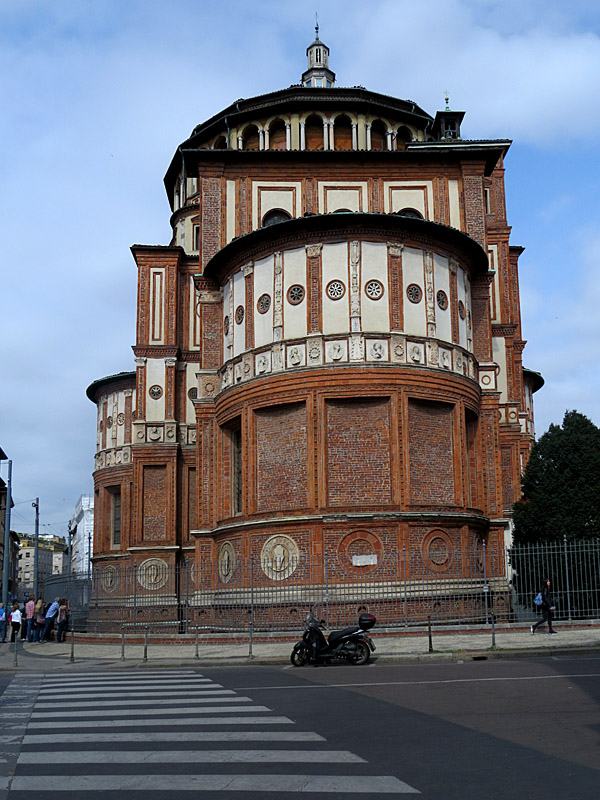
[96,96]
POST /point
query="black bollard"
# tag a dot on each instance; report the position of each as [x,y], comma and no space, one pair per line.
[430,639]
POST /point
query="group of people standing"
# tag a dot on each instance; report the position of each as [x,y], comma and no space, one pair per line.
[36,620]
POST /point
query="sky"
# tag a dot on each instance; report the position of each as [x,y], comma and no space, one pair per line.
[95,96]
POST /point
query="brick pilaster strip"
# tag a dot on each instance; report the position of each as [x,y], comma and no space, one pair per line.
[314,286]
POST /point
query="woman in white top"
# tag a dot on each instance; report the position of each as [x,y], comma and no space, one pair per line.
[15,621]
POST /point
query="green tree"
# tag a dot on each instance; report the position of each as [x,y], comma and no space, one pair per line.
[561,484]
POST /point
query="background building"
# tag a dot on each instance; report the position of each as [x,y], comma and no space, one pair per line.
[52,560]
[81,531]
[328,352]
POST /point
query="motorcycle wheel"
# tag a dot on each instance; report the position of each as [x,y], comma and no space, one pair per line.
[362,655]
[301,656]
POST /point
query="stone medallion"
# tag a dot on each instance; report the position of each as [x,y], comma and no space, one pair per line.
[153,573]
[438,550]
[227,562]
[279,557]
[109,579]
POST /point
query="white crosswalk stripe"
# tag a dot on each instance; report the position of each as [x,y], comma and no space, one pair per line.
[216,737]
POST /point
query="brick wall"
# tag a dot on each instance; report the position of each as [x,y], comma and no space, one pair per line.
[431,453]
[358,452]
[281,455]
[154,505]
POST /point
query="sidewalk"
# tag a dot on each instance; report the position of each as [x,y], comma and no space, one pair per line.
[447,645]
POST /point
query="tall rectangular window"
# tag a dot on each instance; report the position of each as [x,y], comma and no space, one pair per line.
[115,518]
[236,470]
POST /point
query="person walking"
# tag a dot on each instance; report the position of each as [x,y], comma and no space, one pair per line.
[40,619]
[61,619]
[547,608]
[15,621]
[30,616]
[2,622]
[50,617]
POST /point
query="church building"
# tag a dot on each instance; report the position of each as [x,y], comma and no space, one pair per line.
[328,355]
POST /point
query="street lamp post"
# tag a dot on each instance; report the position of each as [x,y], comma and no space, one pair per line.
[36,505]
[5,566]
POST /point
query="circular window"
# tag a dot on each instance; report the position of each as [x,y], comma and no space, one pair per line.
[442,299]
[239,315]
[120,419]
[374,289]
[109,422]
[155,392]
[264,303]
[295,294]
[461,309]
[193,393]
[226,326]
[414,293]
[335,290]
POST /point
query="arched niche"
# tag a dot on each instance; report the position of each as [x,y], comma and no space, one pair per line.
[277,135]
[342,133]
[250,140]
[313,133]
[378,135]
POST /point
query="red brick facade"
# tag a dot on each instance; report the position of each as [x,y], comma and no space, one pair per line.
[348,383]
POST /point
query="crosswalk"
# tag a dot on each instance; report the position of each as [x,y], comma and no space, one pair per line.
[119,733]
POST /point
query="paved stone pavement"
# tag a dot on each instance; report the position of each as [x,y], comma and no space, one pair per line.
[414,646]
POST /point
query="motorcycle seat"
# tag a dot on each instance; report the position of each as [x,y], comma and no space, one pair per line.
[335,636]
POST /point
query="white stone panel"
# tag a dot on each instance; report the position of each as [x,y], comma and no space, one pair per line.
[409,194]
[294,273]
[350,195]
[336,313]
[157,293]
[239,299]
[191,382]
[375,313]
[441,280]
[230,223]
[415,314]
[495,287]
[263,284]
[336,351]
[227,320]
[463,294]
[499,356]
[155,376]
[376,350]
[454,203]
[267,195]
[296,356]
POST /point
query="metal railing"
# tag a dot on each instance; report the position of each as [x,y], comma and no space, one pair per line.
[449,585]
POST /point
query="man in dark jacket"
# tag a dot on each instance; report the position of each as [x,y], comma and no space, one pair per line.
[547,608]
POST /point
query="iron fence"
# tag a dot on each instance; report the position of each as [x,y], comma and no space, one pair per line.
[448,585]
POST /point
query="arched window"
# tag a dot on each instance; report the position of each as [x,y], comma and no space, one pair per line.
[250,138]
[403,135]
[313,133]
[409,212]
[342,133]
[342,211]
[378,138]
[220,143]
[274,216]
[277,137]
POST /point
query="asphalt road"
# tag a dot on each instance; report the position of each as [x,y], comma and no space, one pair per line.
[479,729]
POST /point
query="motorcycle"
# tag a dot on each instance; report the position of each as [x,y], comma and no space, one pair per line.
[352,643]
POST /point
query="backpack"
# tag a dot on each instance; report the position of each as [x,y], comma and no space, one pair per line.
[538,599]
